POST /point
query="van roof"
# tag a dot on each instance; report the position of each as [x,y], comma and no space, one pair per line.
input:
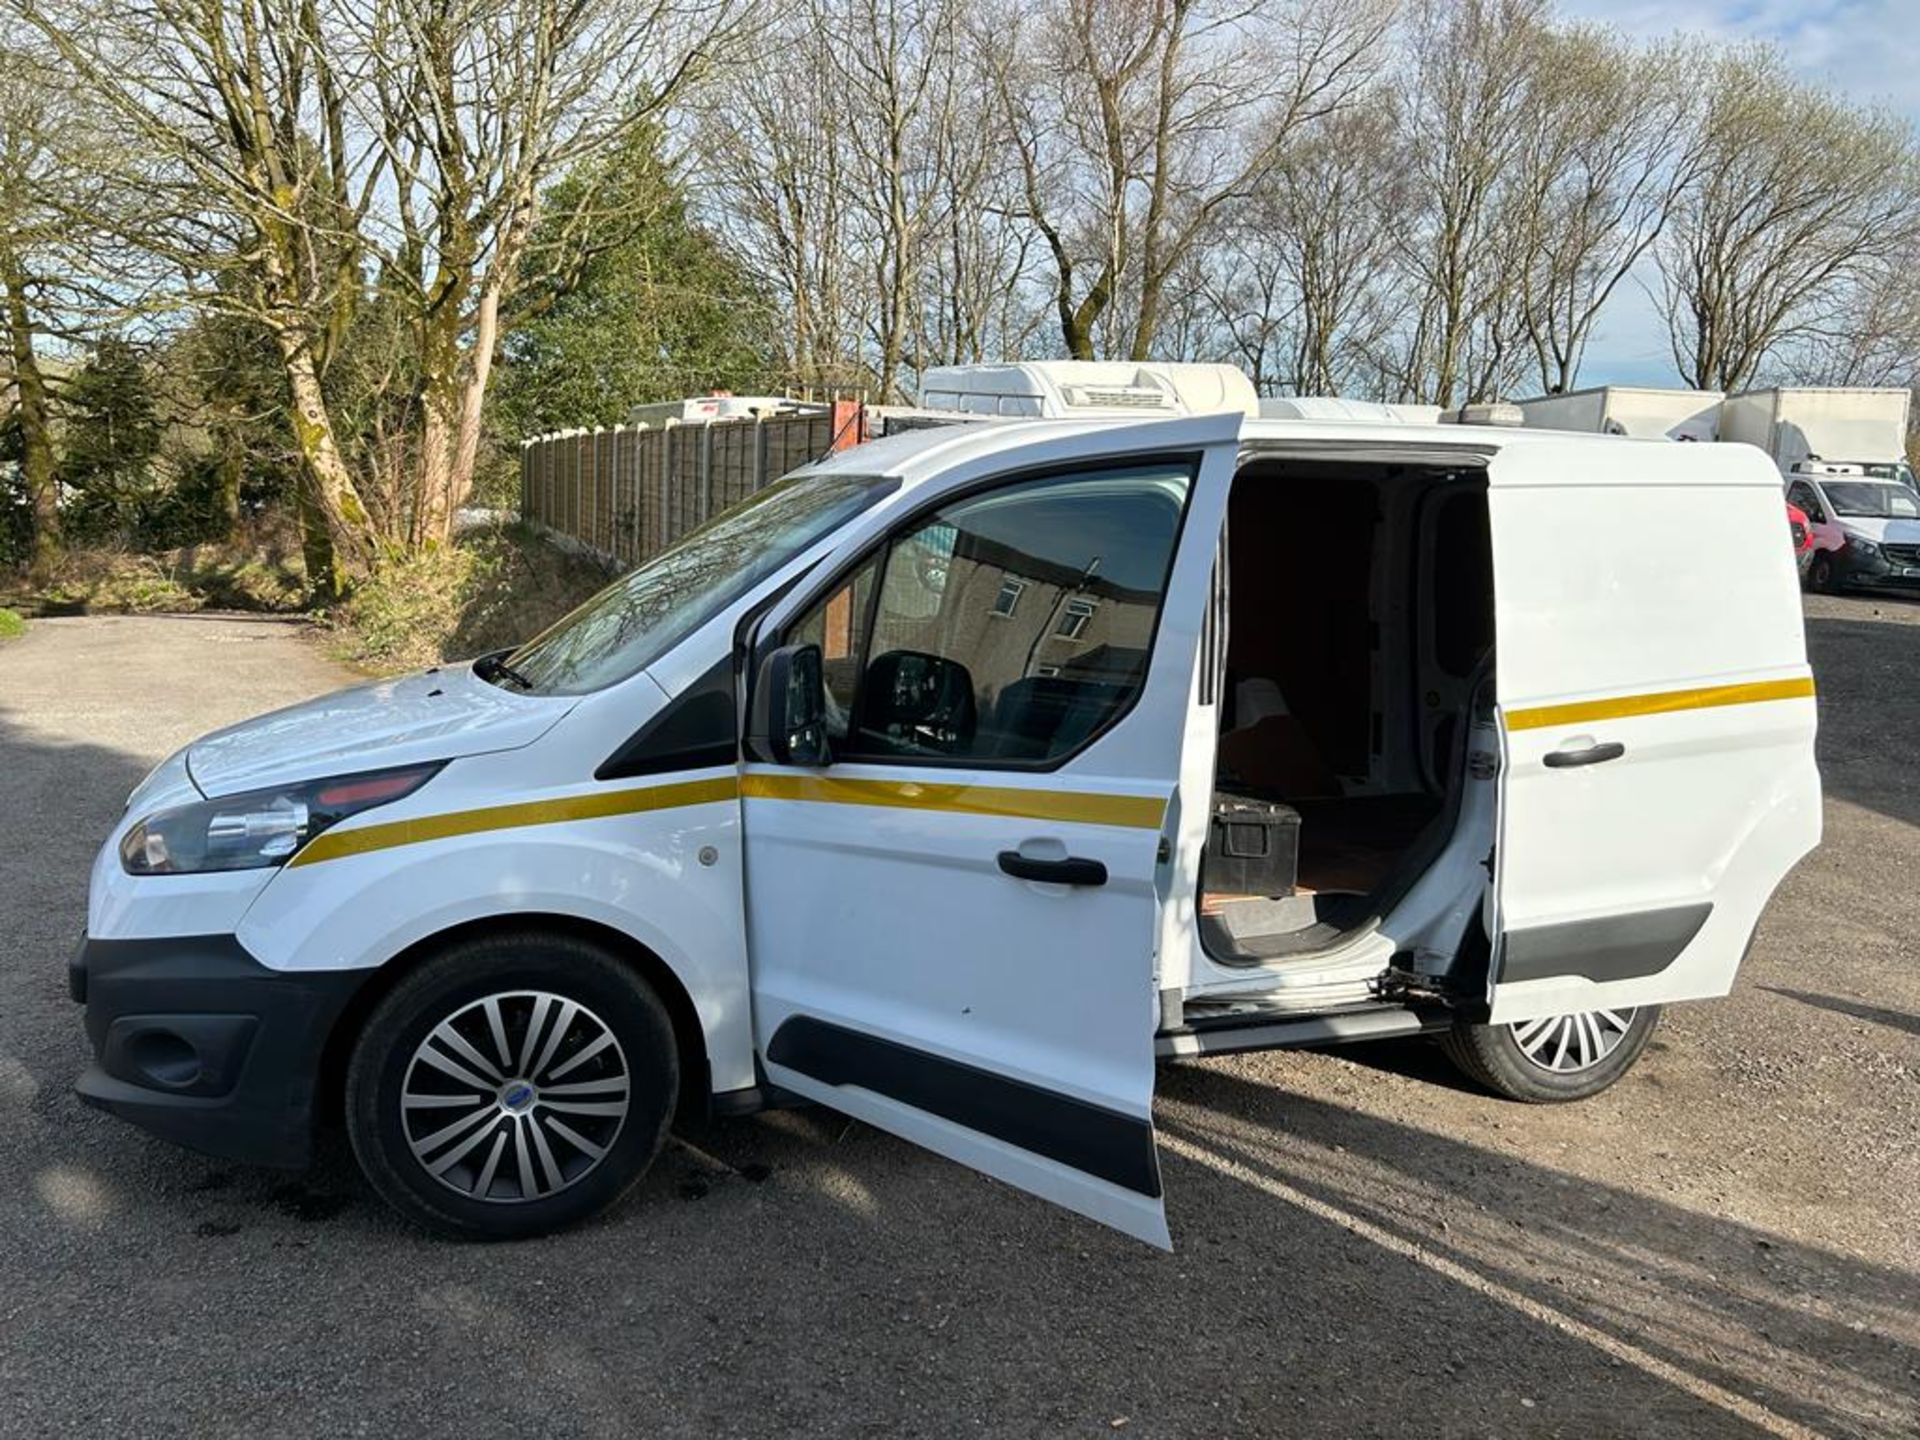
[914,454]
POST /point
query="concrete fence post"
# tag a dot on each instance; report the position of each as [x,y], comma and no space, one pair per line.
[669,491]
[706,472]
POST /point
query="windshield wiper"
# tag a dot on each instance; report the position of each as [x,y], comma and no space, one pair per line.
[495,667]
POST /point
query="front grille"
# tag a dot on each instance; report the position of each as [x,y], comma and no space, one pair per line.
[1902,554]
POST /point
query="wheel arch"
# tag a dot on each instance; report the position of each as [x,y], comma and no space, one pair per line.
[688,1034]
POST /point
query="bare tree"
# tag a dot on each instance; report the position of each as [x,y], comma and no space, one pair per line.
[1330,207]
[771,134]
[1136,126]
[1463,94]
[1610,142]
[1798,196]
[899,88]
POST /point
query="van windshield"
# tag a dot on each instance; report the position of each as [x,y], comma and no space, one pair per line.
[645,613]
[1873,499]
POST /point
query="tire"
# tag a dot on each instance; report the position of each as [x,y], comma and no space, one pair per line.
[1820,574]
[1498,1056]
[512,1085]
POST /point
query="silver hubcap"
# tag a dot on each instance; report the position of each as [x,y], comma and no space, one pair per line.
[515,1097]
[1567,1044]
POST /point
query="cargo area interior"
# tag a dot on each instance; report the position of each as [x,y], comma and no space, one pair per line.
[1359,623]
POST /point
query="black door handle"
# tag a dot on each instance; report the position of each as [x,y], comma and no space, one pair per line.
[1592,755]
[1071,871]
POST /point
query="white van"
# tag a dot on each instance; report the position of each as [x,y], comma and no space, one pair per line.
[953,780]
[1866,528]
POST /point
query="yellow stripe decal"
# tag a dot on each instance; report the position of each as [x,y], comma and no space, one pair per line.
[333,844]
[1660,703]
[1140,812]
[1133,811]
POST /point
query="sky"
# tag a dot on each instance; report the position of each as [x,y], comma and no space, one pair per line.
[1871,48]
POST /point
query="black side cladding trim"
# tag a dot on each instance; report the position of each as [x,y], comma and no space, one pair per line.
[694,732]
[1103,1143]
[1619,947]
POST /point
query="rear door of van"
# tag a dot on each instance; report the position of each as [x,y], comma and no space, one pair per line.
[1658,720]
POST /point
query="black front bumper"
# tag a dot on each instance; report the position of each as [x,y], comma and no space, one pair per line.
[1883,571]
[198,1042]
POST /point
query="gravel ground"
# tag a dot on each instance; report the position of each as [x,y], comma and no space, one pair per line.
[1724,1244]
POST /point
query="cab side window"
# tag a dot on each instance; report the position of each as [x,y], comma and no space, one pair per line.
[838,625]
[1011,627]
[1801,494]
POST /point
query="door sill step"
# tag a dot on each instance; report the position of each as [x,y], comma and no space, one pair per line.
[1264,1033]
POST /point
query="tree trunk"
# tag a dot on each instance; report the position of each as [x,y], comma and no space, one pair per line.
[355,538]
[233,465]
[479,371]
[36,433]
[326,578]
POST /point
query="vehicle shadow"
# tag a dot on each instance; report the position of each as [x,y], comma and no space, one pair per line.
[1873,1014]
[1725,1311]
[1868,672]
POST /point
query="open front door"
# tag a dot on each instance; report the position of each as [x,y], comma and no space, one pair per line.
[1658,720]
[952,925]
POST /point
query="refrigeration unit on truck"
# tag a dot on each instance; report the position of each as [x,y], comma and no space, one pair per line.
[1641,411]
[1065,389]
[1842,455]
[956,779]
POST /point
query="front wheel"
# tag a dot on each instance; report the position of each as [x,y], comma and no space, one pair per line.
[511,1085]
[1557,1058]
[1822,577]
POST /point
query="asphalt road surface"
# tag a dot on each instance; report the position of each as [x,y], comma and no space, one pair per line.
[1728,1243]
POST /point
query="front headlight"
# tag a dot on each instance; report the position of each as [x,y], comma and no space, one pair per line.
[1865,547]
[259,828]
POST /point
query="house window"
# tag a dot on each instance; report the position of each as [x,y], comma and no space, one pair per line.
[1008,600]
[1073,620]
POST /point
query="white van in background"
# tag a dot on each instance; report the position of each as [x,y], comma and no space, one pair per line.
[1866,530]
[1842,453]
[953,780]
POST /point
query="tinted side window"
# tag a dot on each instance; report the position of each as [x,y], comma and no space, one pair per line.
[1803,496]
[1012,626]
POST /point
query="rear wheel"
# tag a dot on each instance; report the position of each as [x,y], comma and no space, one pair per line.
[1561,1057]
[512,1085]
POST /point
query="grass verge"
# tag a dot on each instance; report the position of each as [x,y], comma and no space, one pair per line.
[495,586]
[11,625]
[259,569]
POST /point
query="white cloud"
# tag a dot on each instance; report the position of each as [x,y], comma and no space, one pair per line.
[1868,48]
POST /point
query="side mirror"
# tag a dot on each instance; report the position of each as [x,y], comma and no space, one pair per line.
[790,708]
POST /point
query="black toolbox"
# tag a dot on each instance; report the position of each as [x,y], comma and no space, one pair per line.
[1253,847]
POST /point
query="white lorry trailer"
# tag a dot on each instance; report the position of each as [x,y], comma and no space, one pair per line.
[1844,426]
[1643,412]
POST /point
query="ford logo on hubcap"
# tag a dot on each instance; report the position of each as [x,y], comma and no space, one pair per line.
[517,1095]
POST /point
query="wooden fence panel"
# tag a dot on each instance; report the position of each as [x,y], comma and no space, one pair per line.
[628,492]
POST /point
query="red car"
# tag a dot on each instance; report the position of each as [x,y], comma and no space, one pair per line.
[1802,532]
